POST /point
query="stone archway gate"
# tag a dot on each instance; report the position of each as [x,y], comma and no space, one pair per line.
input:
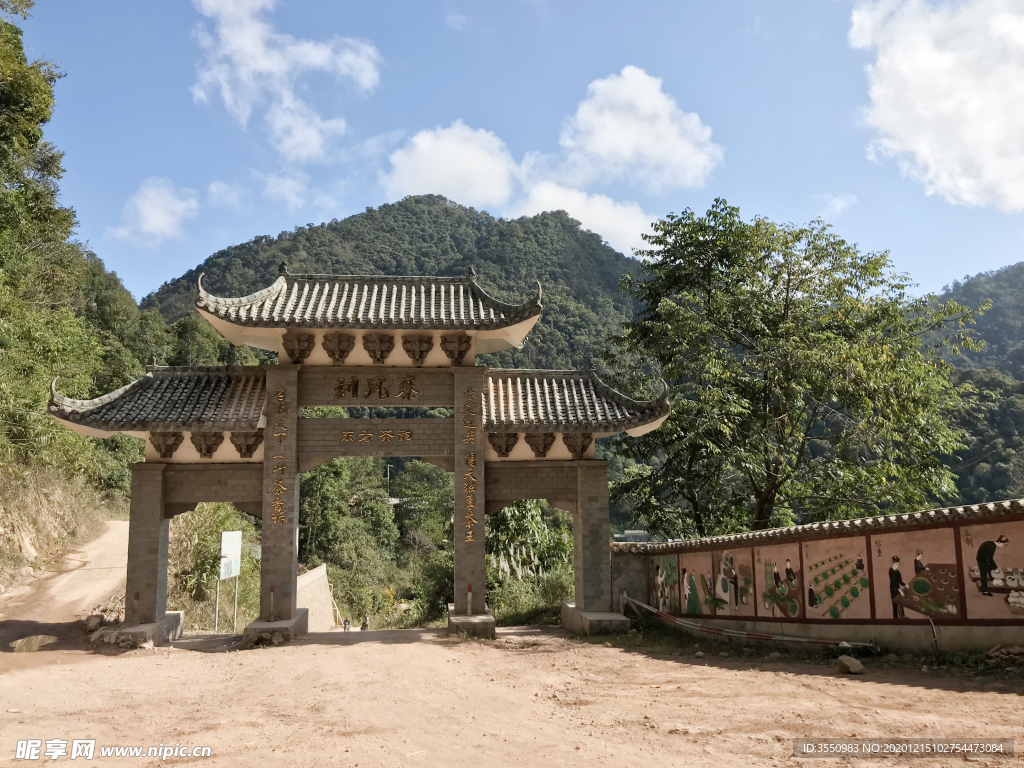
[237,434]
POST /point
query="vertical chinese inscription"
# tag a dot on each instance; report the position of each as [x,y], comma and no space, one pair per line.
[281,433]
[469,477]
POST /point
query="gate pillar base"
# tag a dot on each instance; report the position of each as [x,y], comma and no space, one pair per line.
[592,622]
[290,629]
[160,633]
[477,625]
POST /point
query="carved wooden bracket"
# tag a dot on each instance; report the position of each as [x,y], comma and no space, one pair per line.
[577,443]
[246,443]
[456,345]
[207,443]
[378,346]
[298,345]
[417,346]
[166,443]
[540,442]
[337,345]
[503,442]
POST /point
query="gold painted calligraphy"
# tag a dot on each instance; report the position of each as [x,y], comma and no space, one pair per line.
[346,387]
[469,477]
[378,384]
[406,390]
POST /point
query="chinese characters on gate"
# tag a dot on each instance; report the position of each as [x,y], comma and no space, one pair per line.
[375,385]
[469,478]
[386,436]
[280,432]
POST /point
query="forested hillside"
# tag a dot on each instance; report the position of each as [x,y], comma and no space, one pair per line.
[429,235]
[1001,327]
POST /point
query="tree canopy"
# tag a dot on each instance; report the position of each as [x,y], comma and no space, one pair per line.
[800,385]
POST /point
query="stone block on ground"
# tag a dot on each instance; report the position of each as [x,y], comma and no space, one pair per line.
[849,665]
[32,643]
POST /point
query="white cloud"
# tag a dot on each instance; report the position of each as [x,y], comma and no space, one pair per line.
[288,188]
[252,66]
[833,205]
[155,213]
[621,224]
[471,166]
[456,21]
[225,195]
[628,127]
[947,94]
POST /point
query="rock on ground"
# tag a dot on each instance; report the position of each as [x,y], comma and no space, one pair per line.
[32,643]
[849,665]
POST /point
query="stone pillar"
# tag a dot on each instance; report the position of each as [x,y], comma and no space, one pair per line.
[591,536]
[470,501]
[146,589]
[280,535]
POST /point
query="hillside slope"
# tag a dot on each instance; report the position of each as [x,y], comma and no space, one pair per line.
[428,235]
[1001,327]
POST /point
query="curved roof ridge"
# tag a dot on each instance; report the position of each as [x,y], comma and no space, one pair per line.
[70,404]
[472,307]
[208,298]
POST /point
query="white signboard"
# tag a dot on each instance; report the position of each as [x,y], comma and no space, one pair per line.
[230,554]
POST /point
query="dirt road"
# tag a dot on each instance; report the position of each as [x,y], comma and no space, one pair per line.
[54,603]
[414,698]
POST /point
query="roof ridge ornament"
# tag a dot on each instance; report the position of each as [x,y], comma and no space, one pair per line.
[282,268]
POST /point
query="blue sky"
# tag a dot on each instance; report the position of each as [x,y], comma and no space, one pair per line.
[189,127]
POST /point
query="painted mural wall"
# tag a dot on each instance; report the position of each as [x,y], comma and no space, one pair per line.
[734,582]
[835,571]
[914,575]
[909,575]
[994,559]
[664,587]
[698,592]
[778,582]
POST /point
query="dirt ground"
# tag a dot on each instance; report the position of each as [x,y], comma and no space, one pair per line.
[533,697]
[68,591]
[530,698]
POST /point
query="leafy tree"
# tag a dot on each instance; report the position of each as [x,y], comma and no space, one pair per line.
[375,511]
[994,426]
[426,500]
[800,387]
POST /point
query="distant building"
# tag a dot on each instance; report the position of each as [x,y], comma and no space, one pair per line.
[631,536]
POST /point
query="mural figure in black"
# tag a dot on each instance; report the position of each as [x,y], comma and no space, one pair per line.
[895,584]
[918,563]
[860,563]
[813,600]
[736,589]
[775,575]
[987,562]
[790,575]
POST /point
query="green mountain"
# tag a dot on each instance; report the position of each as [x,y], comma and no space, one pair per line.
[429,235]
[1002,326]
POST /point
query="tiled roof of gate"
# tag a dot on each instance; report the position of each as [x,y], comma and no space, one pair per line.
[561,401]
[221,398]
[370,302]
[972,513]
